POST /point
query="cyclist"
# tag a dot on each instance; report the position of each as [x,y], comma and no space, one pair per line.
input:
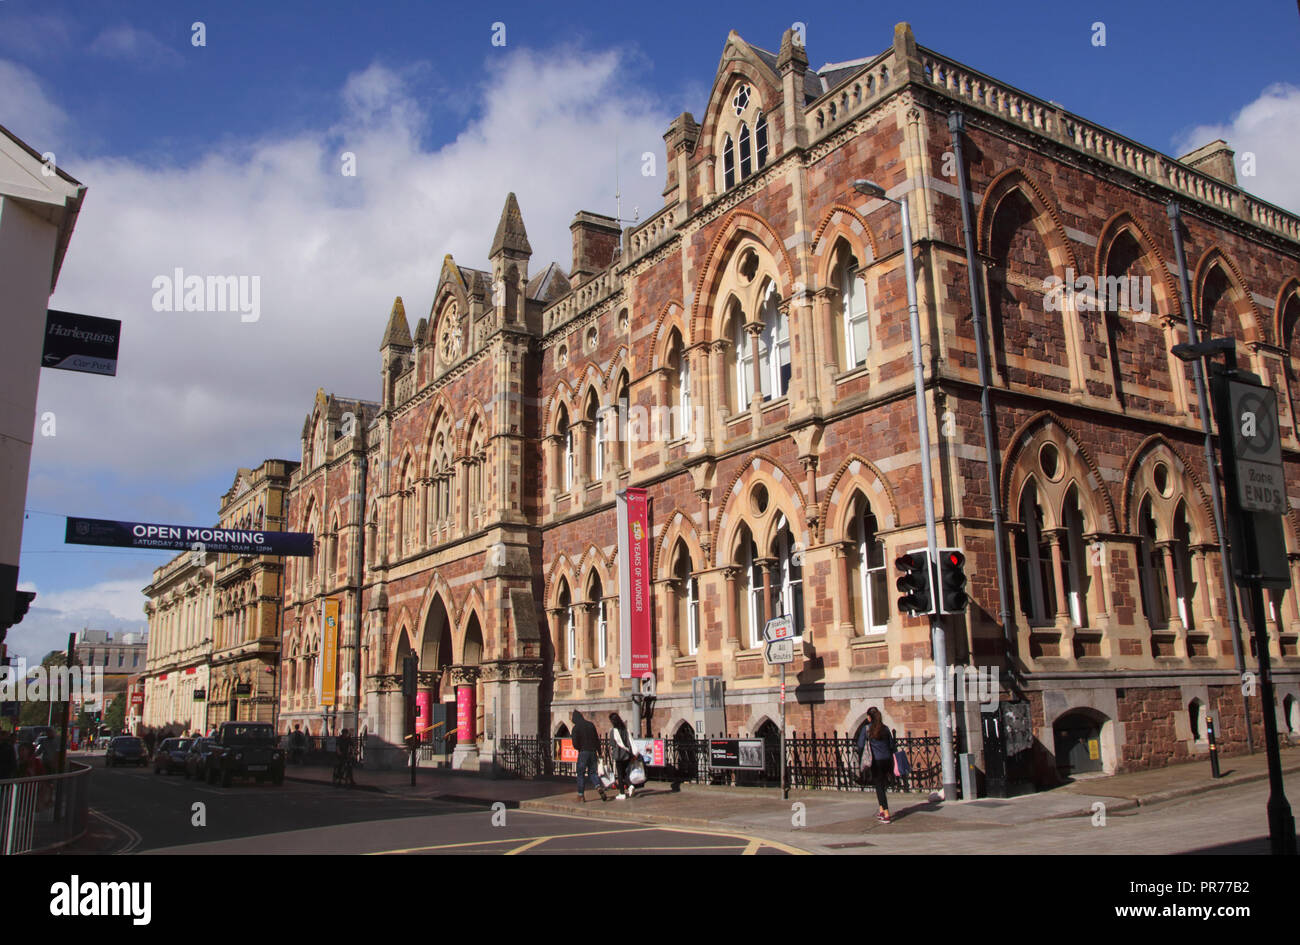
[343,765]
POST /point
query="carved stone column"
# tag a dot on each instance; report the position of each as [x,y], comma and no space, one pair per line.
[466,754]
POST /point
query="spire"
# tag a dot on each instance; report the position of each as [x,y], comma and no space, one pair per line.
[510,230]
[398,332]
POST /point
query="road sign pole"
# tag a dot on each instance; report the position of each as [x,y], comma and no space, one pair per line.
[785,788]
[1281,823]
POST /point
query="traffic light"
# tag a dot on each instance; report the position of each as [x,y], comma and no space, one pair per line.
[410,669]
[914,582]
[952,581]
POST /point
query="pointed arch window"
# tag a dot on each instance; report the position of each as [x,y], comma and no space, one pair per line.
[1074,560]
[791,565]
[680,381]
[774,347]
[624,406]
[871,580]
[600,624]
[753,591]
[760,140]
[728,163]
[596,422]
[746,162]
[568,631]
[688,601]
[1184,587]
[1034,560]
[566,446]
[1155,585]
[856,321]
[743,344]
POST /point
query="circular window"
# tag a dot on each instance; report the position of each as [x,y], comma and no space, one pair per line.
[748,266]
[1160,476]
[758,498]
[1049,459]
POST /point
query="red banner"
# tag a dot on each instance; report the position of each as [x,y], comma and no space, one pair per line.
[464,715]
[423,711]
[635,604]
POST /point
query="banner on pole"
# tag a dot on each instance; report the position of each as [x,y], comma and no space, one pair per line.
[329,649]
[634,603]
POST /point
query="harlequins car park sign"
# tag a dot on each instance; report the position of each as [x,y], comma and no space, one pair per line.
[81,343]
[237,541]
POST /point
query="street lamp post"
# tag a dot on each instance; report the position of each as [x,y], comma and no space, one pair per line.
[938,638]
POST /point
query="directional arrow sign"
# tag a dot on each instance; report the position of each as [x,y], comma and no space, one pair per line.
[779,651]
[778,628]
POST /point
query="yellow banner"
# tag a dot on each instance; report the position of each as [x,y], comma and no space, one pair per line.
[329,650]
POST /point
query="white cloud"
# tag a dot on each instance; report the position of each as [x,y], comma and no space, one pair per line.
[1267,128]
[27,111]
[199,394]
[109,605]
[128,44]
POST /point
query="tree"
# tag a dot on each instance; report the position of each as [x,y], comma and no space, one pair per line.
[115,717]
[38,712]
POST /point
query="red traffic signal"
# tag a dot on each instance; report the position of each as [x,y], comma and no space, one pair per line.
[952,581]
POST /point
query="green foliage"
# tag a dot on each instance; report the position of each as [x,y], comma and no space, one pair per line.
[115,717]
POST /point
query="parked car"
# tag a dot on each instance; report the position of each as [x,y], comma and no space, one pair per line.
[196,758]
[244,750]
[32,733]
[170,755]
[126,750]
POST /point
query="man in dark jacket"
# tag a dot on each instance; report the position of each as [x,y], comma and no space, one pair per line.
[587,744]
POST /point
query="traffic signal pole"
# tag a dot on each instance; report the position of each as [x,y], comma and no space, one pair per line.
[938,639]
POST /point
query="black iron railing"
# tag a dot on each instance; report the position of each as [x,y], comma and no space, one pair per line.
[828,762]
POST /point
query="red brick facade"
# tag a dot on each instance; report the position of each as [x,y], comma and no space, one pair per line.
[744,354]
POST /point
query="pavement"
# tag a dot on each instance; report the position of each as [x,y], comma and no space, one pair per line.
[820,821]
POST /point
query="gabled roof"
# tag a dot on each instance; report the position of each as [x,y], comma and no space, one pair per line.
[549,284]
[55,197]
[510,230]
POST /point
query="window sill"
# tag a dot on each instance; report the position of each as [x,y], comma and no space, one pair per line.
[774,404]
[851,374]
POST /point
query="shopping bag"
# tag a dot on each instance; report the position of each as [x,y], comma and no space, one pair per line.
[636,773]
[902,767]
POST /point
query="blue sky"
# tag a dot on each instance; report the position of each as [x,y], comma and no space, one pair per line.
[224,159]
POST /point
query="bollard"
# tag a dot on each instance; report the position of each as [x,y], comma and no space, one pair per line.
[1214,747]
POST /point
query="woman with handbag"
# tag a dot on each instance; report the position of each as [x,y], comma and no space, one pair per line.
[880,747]
[622,743]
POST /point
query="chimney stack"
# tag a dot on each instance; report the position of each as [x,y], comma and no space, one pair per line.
[595,244]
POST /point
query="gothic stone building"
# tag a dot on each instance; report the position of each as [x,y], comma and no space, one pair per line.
[744,355]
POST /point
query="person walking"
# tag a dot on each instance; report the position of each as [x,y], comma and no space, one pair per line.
[297,744]
[587,744]
[622,744]
[343,766]
[876,747]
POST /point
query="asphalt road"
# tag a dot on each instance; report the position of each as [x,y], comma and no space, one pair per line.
[137,811]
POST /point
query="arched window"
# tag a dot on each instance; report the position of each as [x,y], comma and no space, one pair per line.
[790,561]
[855,320]
[687,593]
[600,623]
[1155,586]
[750,590]
[760,140]
[774,347]
[746,164]
[743,347]
[332,552]
[624,405]
[728,163]
[1184,587]
[566,450]
[567,627]
[1034,561]
[596,424]
[867,570]
[1074,559]
[680,384]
